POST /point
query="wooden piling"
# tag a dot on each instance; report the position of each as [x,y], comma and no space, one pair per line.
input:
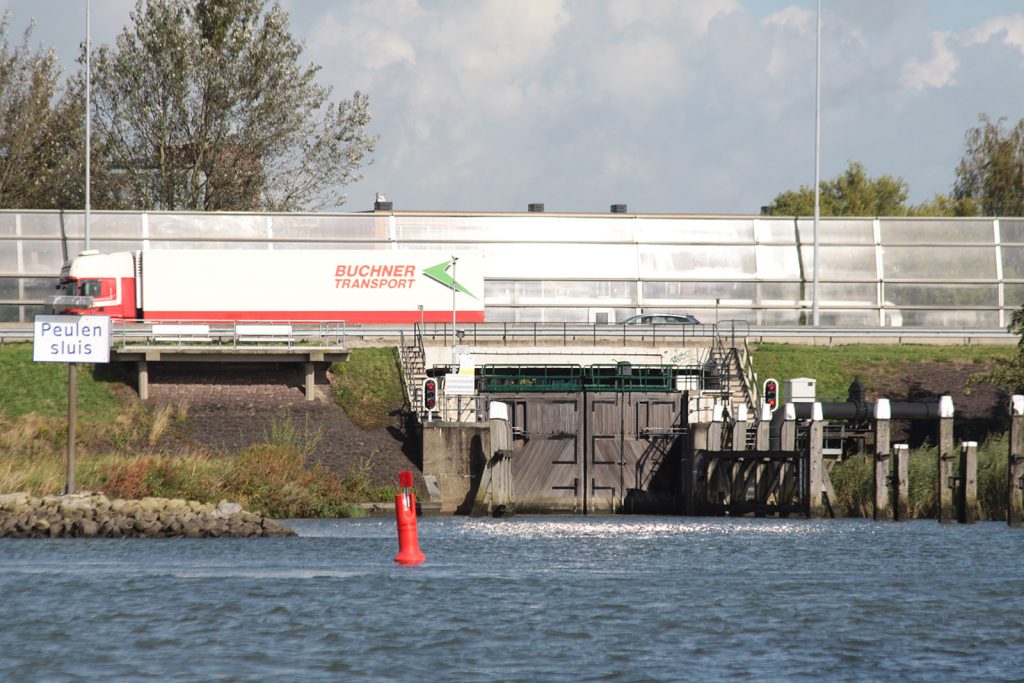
[712,470]
[945,459]
[816,464]
[739,443]
[716,430]
[883,495]
[1015,465]
[739,429]
[788,475]
[968,507]
[901,454]
[764,424]
[788,432]
[693,478]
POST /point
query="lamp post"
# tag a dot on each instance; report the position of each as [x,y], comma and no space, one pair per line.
[817,166]
[88,124]
[454,261]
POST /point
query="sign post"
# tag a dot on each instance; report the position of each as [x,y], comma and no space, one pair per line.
[71,339]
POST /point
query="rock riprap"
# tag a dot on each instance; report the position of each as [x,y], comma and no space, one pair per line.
[84,515]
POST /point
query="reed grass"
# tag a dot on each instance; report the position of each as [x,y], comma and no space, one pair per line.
[123,460]
[264,478]
[853,480]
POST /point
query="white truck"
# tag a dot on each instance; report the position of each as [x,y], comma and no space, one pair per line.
[359,286]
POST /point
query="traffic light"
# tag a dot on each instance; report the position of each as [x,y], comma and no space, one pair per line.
[429,393]
[771,393]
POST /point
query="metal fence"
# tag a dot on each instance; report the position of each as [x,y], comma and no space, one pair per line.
[583,268]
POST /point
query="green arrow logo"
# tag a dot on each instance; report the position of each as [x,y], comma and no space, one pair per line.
[439,273]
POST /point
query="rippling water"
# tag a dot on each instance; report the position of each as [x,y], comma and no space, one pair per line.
[531,598]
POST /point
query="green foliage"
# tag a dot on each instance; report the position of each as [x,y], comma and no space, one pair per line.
[993,477]
[1009,373]
[851,193]
[205,105]
[944,205]
[853,481]
[42,388]
[267,479]
[273,477]
[38,122]
[991,173]
[922,473]
[286,434]
[369,387]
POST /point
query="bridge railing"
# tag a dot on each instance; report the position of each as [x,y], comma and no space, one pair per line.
[230,334]
[585,333]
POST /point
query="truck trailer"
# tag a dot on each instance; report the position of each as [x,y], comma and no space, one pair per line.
[358,286]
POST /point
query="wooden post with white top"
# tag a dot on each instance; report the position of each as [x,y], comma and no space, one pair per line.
[1015,464]
[946,458]
[882,461]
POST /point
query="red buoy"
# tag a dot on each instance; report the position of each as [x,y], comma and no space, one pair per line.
[409,552]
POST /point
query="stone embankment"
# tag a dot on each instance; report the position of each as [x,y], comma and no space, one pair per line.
[84,515]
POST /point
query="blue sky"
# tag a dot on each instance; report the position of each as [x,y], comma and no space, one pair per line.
[704,106]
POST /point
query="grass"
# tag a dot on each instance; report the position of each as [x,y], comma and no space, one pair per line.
[836,367]
[267,479]
[368,386]
[119,441]
[42,388]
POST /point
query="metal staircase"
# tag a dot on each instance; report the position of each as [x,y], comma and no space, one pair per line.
[414,367]
[738,379]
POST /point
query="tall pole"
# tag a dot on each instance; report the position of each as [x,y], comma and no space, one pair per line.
[88,122]
[817,166]
[454,281]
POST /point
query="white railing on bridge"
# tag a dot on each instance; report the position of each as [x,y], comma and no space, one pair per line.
[195,334]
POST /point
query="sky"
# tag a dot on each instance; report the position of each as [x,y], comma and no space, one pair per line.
[667,106]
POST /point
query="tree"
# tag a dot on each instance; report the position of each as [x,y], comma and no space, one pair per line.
[204,105]
[991,173]
[851,193]
[37,129]
[944,205]
[1009,374]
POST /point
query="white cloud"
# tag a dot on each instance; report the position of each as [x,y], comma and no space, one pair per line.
[1011,28]
[620,165]
[694,17]
[641,69]
[937,72]
[799,19]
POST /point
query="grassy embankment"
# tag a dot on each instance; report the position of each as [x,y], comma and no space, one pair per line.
[119,442]
[835,368]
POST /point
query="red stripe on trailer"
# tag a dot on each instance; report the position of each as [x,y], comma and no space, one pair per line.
[316,316]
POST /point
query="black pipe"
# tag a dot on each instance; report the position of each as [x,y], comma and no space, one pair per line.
[852,410]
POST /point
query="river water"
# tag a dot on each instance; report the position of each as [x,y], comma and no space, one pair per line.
[525,599]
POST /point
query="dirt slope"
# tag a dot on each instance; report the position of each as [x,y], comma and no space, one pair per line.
[231,406]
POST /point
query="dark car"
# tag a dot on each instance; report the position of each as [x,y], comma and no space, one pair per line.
[661,319]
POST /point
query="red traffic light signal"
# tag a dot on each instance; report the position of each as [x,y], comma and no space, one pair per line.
[429,393]
[771,394]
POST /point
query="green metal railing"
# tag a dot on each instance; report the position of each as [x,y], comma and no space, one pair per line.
[629,377]
[527,378]
[574,378]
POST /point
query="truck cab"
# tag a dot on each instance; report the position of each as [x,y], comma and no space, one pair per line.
[108,278]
